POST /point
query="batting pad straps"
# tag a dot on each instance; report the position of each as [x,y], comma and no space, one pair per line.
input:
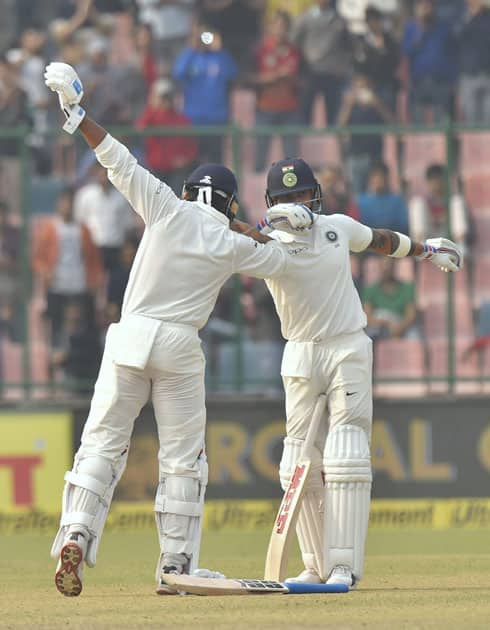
[88,483]
[404,246]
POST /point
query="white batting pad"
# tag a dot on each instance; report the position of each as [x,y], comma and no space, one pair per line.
[347,469]
[87,496]
[309,527]
[179,505]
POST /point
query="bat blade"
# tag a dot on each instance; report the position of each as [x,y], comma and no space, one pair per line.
[222,586]
[287,516]
[285,523]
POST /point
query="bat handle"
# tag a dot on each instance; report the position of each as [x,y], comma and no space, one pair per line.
[315,422]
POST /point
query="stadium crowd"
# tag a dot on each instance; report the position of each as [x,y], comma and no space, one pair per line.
[198,64]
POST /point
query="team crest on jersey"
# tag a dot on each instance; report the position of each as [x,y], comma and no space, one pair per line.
[331,236]
[206,180]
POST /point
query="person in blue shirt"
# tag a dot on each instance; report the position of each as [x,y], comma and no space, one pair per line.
[429,46]
[474,63]
[379,207]
[205,71]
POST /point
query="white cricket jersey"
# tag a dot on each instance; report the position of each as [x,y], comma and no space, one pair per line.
[316,298]
[187,251]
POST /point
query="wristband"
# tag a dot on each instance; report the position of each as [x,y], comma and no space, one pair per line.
[264,227]
[74,116]
[403,248]
[429,251]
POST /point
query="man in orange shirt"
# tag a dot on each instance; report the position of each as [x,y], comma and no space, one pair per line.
[68,263]
[277,65]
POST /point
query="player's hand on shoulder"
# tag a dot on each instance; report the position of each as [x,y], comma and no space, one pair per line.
[443,253]
[287,217]
[63,79]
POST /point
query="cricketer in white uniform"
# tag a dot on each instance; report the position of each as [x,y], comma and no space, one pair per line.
[186,254]
[328,352]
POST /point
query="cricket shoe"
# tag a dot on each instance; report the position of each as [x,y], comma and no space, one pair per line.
[165,589]
[341,574]
[68,577]
[308,576]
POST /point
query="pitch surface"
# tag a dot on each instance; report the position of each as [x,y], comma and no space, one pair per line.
[414,579]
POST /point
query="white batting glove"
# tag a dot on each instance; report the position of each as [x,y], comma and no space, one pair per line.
[287,217]
[443,253]
[62,79]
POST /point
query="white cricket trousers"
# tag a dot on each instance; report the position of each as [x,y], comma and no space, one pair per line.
[172,377]
[341,368]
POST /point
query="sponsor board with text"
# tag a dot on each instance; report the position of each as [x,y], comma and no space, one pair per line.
[244,515]
[35,452]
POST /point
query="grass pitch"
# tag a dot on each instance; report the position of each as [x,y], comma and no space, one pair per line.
[413,579]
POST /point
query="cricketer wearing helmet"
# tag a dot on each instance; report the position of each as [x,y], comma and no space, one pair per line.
[186,254]
[328,352]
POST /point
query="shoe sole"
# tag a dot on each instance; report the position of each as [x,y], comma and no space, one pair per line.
[66,579]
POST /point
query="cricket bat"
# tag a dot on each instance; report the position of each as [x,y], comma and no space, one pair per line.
[284,526]
[222,586]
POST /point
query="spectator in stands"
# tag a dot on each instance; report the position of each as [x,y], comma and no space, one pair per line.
[379,207]
[430,49]
[13,112]
[474,63]
[116,94]
[170,22]
[206,70]
[362,106]
[482,337]
[322,36]
[68,264]
[10,280]
[276,80]
[170,158]
[105,212]
[70,16]
[118,279]
[429,215]
[390,306]
[145,53]
[336,197]
[30,65]
[79,351]
[379,55]
[239,22]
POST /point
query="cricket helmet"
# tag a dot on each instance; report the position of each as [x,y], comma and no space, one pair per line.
[215,185]
[289,176]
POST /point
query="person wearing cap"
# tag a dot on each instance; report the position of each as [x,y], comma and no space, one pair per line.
[154,352]
[327,352]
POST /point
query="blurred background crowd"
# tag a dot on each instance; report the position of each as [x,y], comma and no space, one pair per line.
[246,82]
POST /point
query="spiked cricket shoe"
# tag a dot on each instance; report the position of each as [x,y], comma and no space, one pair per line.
[68,577]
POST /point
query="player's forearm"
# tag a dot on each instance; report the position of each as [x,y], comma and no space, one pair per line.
[390,243]
[92,132]
[247,230]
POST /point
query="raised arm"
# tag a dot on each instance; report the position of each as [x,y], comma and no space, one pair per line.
[442,252]
[150,197]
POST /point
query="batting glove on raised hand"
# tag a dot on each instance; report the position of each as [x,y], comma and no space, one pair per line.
[62,79]
[287,217]
[443,253]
